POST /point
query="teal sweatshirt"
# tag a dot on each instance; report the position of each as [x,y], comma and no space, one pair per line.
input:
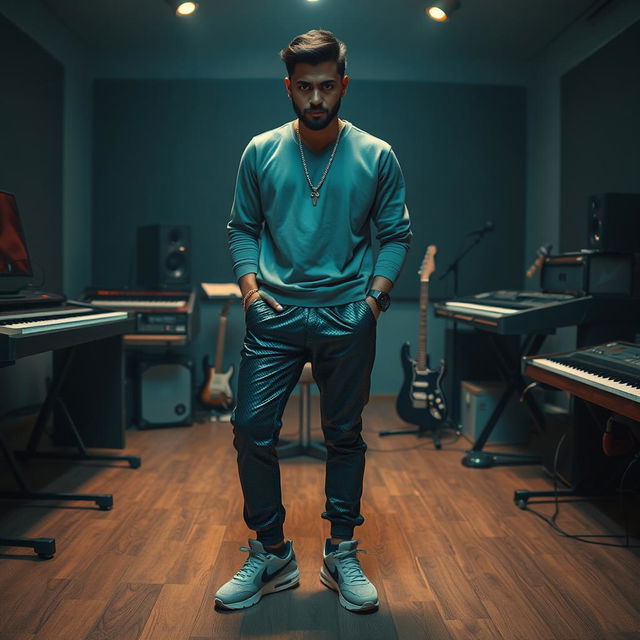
[318,256]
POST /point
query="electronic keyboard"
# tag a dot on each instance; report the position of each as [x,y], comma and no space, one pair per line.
[606,374]
[42,320]
[157,313]
[516,312]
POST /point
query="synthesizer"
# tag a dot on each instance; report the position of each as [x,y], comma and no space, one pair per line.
[517,312]
[606,374]
[158,313]
[37,321]
[34,330]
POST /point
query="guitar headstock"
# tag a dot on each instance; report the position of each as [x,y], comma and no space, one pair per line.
[428,263]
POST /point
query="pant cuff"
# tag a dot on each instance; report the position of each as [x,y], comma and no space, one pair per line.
[272,536]
[338,531]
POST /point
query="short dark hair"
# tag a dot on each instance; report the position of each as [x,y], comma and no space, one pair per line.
[314,47]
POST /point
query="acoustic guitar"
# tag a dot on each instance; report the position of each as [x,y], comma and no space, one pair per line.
[216,391]
[421,400]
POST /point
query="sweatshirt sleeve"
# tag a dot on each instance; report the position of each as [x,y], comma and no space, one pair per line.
[245,225]
[391,218]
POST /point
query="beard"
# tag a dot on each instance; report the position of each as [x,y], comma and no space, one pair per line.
[319,123]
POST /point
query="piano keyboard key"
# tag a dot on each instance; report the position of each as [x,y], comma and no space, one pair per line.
[480,309]
[50,324]
[622,389]
[140,304]
[40,313]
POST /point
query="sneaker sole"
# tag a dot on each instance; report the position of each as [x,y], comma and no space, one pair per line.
[281,583]
[327,580]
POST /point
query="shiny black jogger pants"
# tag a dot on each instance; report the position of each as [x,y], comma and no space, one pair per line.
[340,343]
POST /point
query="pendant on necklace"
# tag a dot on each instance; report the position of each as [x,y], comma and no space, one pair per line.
[314,196]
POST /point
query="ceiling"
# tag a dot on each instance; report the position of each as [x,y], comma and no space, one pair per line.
[238,33]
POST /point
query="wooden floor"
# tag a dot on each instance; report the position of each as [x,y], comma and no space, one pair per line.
[450,553]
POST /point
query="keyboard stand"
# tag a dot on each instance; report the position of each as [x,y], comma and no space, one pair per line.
[101,391]
[46,547]
[53,397]
[512,376]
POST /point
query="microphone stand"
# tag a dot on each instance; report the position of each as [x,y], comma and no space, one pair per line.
[453,267]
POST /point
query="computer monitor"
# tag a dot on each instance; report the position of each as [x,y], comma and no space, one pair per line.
[15,265]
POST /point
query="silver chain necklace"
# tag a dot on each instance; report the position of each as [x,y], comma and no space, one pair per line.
[315,191]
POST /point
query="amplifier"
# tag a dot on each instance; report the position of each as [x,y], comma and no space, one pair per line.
[164,392]
[477,402]
[588,273]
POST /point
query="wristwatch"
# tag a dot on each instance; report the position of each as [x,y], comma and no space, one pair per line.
[383,300]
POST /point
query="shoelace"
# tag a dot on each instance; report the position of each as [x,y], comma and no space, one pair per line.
[350,565]
[252,564]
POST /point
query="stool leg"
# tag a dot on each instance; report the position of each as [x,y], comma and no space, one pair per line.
[305,415]
[304,446]
[314,449]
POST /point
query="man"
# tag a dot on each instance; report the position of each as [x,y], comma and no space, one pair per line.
[300,243]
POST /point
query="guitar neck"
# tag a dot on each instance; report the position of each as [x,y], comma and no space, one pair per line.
[222,332]
[421,359]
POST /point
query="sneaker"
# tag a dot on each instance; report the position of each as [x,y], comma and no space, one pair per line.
[341,571]
[262,573]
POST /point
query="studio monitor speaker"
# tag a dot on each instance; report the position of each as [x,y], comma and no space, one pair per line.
[614,222]
[164,256]
[164,393]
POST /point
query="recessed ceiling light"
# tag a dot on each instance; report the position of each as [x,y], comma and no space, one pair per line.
[183,8]
[186,8]
[440,10]
[437,14]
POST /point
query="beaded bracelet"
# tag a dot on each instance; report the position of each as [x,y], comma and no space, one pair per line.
[247,296]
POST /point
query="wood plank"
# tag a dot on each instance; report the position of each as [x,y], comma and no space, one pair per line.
[173,614]
[71,619]
[125,615]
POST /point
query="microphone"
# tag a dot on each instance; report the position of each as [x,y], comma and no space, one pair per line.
[542,253]
[488,226]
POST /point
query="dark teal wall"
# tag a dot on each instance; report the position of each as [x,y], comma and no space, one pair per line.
[31,157]
[31,145]
[600,131]
[167,151]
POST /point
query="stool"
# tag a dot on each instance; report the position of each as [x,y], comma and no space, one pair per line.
[304,446]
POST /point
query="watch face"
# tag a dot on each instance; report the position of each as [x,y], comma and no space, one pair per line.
[384,301]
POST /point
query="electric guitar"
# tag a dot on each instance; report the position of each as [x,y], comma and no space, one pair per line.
[216,392]
[421,400]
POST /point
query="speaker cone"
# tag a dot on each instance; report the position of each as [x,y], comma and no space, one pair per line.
[175,263]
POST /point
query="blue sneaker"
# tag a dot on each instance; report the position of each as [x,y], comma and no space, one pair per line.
[341,571]
[262,573]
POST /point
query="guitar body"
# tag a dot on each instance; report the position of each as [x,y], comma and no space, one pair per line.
[421,400]
[216,390]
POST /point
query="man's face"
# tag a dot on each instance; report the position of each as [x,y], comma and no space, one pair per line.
[316,92]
